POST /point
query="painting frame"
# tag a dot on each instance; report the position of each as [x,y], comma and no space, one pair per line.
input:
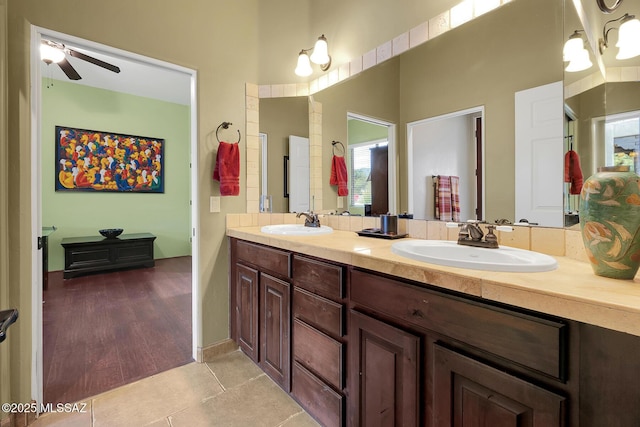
[108,162]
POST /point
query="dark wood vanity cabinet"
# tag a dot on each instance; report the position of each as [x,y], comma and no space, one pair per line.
[422,357]
[319,374]
[260,302]
[359,348]
[384,372]
[246,309]
[275,328]
[471,393]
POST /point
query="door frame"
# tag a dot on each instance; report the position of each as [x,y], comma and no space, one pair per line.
[37,33]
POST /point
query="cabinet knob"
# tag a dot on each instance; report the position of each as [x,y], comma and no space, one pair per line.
[417,313]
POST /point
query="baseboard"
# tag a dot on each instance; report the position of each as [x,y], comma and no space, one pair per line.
[208,353]
[19,419]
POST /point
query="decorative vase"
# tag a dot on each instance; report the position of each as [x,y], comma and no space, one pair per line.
[610,222]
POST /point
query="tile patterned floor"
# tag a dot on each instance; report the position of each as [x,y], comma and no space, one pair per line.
[229,391]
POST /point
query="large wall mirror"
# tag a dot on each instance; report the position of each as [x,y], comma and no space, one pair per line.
[602,99]
[476,67]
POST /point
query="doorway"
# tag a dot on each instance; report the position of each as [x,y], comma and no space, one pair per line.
[450,145]
[37,75]
[371,165]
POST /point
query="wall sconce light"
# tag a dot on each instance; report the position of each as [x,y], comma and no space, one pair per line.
[575,53]
[319,56]
[628,37]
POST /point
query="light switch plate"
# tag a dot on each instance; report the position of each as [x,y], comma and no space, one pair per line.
[214,204]
[340,202]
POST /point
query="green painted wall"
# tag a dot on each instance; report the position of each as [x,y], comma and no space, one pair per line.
[360,131]
[165,215]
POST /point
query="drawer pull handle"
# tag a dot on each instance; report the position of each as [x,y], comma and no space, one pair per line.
[417,313]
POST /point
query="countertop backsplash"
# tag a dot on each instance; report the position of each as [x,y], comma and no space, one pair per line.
[551,241]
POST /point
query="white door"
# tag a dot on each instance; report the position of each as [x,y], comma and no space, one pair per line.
[539,156]
[298,174]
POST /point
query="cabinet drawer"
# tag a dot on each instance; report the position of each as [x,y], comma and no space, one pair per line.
[319,353]
[87,257]
[273,260]
[316,397]
[318,312]
[318,277]
[142,251]
[530,341]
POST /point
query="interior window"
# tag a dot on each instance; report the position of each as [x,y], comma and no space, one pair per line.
[360,172]
[622,141]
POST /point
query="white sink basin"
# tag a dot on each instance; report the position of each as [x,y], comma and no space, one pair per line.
[295,230]
[443,252]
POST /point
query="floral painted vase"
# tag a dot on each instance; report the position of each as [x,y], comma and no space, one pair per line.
[610,222]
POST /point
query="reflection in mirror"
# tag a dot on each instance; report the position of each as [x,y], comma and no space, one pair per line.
[279,118]
[602,110]
[370,173]
[446,150]
[452,72]
[266,200]
[622,127]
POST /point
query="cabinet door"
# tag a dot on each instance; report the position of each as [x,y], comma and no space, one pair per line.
[246,310]
[468,393]
[275,325]
[383,373]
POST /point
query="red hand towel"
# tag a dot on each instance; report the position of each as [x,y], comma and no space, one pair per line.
[339,175]
[573,172]
[227,169]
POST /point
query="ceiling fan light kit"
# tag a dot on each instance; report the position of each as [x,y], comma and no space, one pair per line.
[55,52]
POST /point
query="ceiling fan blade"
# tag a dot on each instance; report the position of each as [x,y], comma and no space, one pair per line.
[69,70]
[93,60]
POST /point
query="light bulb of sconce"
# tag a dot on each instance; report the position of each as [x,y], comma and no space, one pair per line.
[303,68]
[628,38]
[572,47]
[320,53]
[579,62]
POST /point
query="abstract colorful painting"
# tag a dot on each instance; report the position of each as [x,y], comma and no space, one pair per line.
[89,160]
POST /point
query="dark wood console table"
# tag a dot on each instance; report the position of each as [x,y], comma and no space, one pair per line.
[96,253]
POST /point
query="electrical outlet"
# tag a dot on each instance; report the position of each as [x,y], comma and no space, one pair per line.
[340,202]
[214,204]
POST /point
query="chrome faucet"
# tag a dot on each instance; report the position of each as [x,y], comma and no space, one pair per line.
[311,219]
[471,234]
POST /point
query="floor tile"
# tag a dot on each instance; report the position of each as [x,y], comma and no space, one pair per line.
[234,369]
[191,395]
[257,403]
[65,419]
[300,420]
[154,398]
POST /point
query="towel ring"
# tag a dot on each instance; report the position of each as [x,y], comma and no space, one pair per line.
[225,125]
[334,143]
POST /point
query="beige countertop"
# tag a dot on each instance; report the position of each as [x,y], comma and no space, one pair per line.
[571,291]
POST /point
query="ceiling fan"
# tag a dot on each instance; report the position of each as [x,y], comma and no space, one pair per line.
[52,51]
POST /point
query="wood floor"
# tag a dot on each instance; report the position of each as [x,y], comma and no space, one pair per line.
[102,331]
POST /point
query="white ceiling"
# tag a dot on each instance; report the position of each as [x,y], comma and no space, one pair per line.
[136,77]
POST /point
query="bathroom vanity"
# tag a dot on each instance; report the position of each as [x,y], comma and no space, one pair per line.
[359,336]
